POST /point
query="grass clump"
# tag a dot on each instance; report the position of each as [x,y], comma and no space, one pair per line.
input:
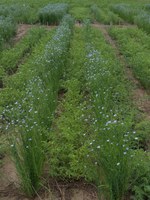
[53,13]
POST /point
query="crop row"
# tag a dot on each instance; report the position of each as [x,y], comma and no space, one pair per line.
[109,145]
[30,113]
[135,45]
[70,125]
[11,58]
[19,13]
[105,16]
[135,15]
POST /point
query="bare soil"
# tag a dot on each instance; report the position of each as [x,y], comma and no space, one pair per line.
[53,189]
[22,30]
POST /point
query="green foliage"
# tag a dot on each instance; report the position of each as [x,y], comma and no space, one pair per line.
[18,12]
[104,16]
[52,13]
[140,178]
[11,58]
[143,21]
[147,6]
[143,134]
[69,127]
[7,30]
[134,44]
[125,11]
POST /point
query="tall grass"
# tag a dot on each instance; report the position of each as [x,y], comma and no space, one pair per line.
[52,13]
[31,115]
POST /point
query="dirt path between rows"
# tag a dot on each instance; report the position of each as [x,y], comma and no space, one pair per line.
[140,96]
[23,28]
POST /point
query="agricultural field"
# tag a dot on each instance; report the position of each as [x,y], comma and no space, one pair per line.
[74,100]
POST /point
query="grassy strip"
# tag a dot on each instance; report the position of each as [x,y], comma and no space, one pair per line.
[136,50]
[105,16]
[110,145]
[52,13]
[10,59]
[31,114]
[125,11]
[69,127]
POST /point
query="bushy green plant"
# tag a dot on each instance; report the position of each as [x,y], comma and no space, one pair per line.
[52,13]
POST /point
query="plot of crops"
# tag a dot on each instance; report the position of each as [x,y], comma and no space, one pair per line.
[74,100]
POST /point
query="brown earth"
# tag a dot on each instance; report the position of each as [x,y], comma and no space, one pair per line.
[53,189]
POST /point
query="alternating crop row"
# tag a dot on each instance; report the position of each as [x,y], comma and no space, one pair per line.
[125,11]
[135,45]
[105,16]
[70,125]
[7,30]
[11,58]
[18,12]
[52,13]
[30,114]
[134,15]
